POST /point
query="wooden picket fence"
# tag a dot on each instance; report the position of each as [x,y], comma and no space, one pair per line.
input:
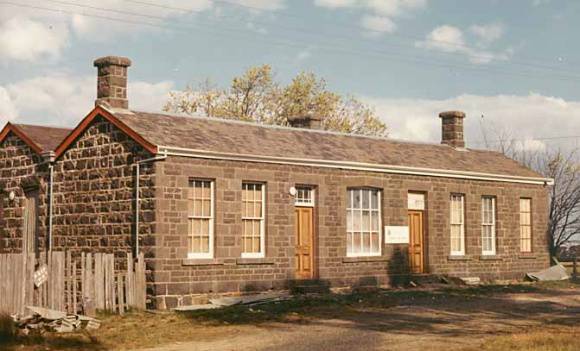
[81,284]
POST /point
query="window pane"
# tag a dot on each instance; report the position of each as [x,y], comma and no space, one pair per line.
[356,199]
[375,200]
[375,221]
[375,241]
[356,220]
[366,221]
[363,223]
[349,227]
[366,242]
[252,217]
[366,199]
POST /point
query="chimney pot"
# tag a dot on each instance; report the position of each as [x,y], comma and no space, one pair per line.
[112,81]
[307,121]
[452,128]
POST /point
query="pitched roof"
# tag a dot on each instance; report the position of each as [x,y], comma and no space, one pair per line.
[47,138]
[241,138]
[39,138]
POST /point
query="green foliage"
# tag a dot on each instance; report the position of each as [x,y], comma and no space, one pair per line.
[256,96]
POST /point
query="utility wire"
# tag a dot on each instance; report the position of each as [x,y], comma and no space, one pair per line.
[376,53]
[532,63]
[508,140]
[160,18]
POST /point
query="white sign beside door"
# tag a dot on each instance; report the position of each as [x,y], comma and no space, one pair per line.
[396,234]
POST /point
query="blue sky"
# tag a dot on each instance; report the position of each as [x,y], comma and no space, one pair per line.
[514,62]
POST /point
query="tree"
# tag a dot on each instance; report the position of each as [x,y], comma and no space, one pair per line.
[564,196]
[255,96]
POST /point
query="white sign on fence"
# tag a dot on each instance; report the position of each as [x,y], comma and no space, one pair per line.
[396,235]
[41,275]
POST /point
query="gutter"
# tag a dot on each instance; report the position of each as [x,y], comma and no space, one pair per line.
[137,195]
[358,166]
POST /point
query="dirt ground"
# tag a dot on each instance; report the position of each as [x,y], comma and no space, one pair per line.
[430,322]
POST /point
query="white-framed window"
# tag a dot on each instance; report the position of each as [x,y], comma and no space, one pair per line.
[525,225]
[457,223]
[200,209]
[363,217]
[488,240]
[253,220]
[304,197]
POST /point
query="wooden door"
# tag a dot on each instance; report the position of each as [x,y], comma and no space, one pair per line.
[30,217]
[304,233]
[416,237]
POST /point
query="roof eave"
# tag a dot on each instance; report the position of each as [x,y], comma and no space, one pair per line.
[9,127]
[393,169]
[108,115]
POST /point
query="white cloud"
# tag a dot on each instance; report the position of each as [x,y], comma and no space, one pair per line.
[24,39]
[61,99]
[445,38]
[378,15]
[487,33]
[395,7]
[31,34]
[335,3]
[378,24]
[7,109]
[417,119]
[304,55]
[536,3]
[450,39]
[265,5]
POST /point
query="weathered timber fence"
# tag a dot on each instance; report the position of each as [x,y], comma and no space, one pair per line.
[75,285]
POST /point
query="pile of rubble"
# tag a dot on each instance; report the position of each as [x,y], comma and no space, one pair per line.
[41,320]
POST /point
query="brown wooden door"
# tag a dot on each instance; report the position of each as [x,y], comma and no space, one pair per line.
[30,222]
[416,241]
[304,230]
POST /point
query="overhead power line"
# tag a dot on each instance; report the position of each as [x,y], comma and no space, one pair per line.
[509,140]
[532,63]
[235,32]
[161,18]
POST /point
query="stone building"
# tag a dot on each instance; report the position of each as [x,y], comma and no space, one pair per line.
[222,206]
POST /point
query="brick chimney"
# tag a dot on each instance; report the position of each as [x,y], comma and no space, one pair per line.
[112,81]
[307,121]
[452,128]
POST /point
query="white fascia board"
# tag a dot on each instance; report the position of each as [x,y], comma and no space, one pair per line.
[357,166]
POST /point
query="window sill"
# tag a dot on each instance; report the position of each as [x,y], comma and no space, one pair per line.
[458,258]
[254,261]
[527,256]
[490,258]
[201,262]
[364,259]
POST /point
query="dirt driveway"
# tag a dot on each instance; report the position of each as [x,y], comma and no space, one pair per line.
[430,322]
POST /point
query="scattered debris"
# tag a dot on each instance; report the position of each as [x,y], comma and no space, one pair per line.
[471,280]
[249,300]
[207,306]
[42,320]
[557,272]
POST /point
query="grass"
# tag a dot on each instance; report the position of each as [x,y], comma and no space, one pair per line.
[143,329]
[561,339]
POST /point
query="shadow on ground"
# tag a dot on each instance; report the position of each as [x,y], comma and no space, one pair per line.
[466,312]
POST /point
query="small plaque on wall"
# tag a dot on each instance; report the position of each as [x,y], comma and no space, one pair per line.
[396,234]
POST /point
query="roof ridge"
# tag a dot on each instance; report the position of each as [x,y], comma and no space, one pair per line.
[41,126]
[294,129]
